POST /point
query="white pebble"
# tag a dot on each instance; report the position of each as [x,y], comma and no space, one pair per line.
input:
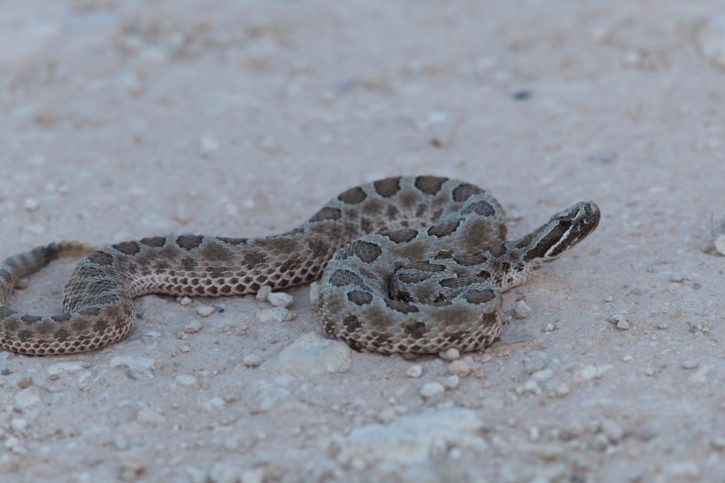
[252,360]
[280,299]
[208,144]
[521,310]
[451,354]
[192,327]
[613,430]
[263,292]
[31,204]
[451,382]
[711,39]
[149,417]
[18,424]
[205,310]
[26,398]
[459,368]
[185,379]
[562,389]
[277,314]
[620,322]
[549,327]
[627,358]
[431,390]
[690,364]
[315,294]
[414,371]
[185,300]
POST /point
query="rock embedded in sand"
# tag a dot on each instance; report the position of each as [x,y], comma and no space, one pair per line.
[280,299]
[711,39]
[431,390]
[311,355]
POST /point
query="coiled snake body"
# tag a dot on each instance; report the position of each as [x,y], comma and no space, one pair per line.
[408,264]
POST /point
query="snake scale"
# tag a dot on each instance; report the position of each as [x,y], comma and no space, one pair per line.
[407,264]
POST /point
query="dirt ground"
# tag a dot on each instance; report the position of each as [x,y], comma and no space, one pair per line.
[124,119]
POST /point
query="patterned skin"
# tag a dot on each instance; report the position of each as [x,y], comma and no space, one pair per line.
[411,264]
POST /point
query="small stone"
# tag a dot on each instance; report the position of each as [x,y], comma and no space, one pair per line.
[620,322]
[451,354]
[192,327]
[590,372]
[459,368]
[613,430]
[700,375]
[148,416]
[431,390]
[185,379]
[718,221]
[204,311]
[690,364]
[414,371]
[549,327]
[208,145]
[25,398]
[277,314]
[213,404]
[626,358]
[263,292]
[542,375]
[252,360]
[311,355]
[31,204]
[386,415]
[132,464]
[120,444]
[609,299]
[710,36]
[280,299]
[521,310]
[562,389]
[135,364]
[451,382]
[185,300]
[224,473]
[18,425]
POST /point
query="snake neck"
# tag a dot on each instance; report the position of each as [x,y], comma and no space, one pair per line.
[524,256]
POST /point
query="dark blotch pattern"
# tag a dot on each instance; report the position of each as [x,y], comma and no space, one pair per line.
[345,277]
[359,297]
[326,214]
[429,185]
[156,241]
[189,242]
[444,229]
[129,248]
[479,296]
[464,191]
[101,258]
[364,250]
[353,196]
[483,208]
[387,187]
[402,236]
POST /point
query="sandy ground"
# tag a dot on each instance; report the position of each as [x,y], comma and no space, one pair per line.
[124,119]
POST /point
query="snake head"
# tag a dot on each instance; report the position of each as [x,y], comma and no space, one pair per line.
[563,230]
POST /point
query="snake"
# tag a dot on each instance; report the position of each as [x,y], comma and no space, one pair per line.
[407,264]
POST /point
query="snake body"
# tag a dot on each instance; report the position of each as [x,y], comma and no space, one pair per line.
[407,264]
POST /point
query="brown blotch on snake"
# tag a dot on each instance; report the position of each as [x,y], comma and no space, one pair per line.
[408,264]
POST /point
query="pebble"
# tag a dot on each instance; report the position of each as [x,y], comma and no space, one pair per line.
[311,355]
[205,311]
[315,294]
[132,464]
[18,425]
[224,473]
[31,204]
[451,354]
[185,300]
[459,368]
[263,292]
[451,382]
[208,145]
[549,327]
[135,364]
[711,39]
[690,364]
[562,389]
[718,229]
[431,390]
[590,372]
[149,417]
[25,398]
[277,314]
[620,322]
[185,379]
[613,430]
[626,358]
[280,299]
[252,360]
[414,371]
[192,327]
[407,440]
[521,310]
